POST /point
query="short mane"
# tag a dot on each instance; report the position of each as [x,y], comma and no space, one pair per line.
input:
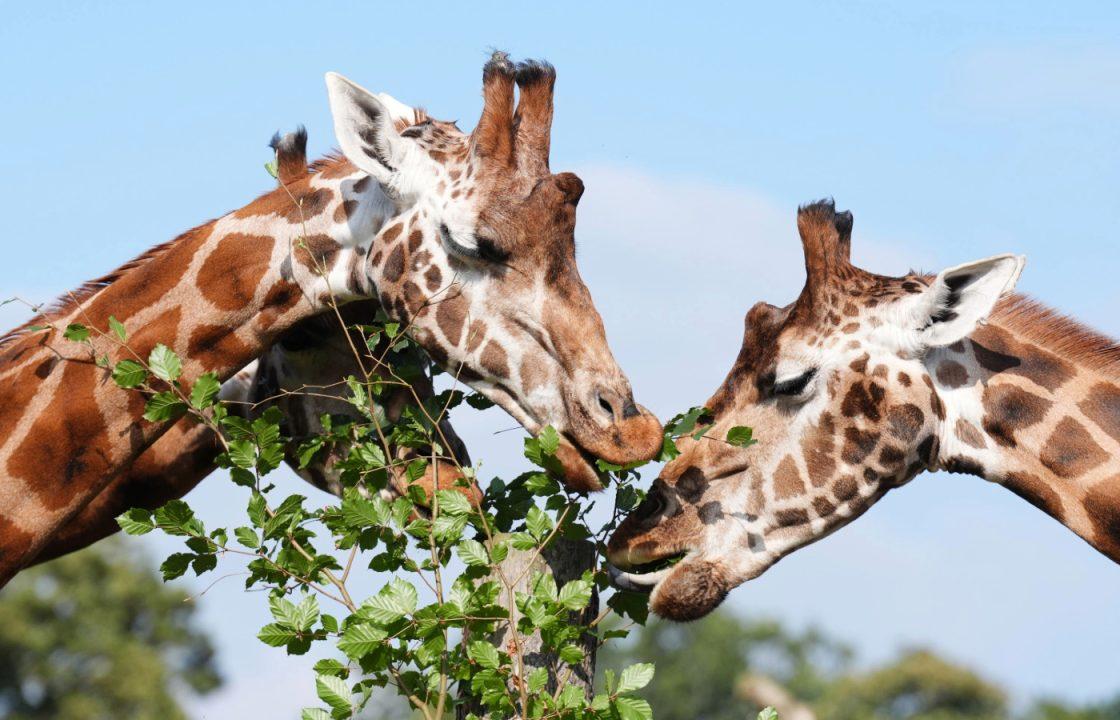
[88,289]
[1058,333]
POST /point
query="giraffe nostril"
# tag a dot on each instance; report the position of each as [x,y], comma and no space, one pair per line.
[630,410]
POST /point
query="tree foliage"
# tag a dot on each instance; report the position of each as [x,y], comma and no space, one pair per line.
[96,634]
[427,632]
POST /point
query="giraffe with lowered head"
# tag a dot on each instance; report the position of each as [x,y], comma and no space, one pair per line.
[861,384]
[468,239]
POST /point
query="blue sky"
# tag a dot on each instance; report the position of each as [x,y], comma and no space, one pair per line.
[952,133]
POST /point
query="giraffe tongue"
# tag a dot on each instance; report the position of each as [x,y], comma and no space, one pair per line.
[636,582]
[578,466]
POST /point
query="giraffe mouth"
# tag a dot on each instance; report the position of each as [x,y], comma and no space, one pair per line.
[645,577]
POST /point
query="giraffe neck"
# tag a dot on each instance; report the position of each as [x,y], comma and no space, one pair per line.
[1032,402]
[217,295]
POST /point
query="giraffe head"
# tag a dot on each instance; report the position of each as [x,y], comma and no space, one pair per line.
[479,261]
[303,375]
[837,392]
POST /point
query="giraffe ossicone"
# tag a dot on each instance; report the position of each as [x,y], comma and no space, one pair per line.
[859,385]
[467,239]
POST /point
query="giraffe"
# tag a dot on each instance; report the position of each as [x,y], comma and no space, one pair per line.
[858,386]
[466,239]
[300,373]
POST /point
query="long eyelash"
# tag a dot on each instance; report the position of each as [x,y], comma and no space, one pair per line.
[794,386]
[486,249]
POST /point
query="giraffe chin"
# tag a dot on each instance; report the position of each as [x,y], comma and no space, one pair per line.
[578,465]
[688,590]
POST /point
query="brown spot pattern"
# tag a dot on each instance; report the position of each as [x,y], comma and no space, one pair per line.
[969,434]
[1008,410]
[230,275]
[1102,406]
[495,361]
[1070,451]
[1102,503]
[217,346]
[787,479]
[952,374]
[394,266]
[67,448]
[904,421]
[858,444]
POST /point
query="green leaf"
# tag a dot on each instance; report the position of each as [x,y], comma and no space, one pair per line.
[479,402]
[549,440]
[164,363]
[686,422]
[633,708]
[669,450]
[243,454]
[129,374]
[76,332]
[768,713]
[163,406]
[333,691]
[571,697]
[575,594]
[118,329]
[306,614]
[175,565]
[204,563]
[358,512]
[571,654]
[538,523]
[485,654]
[205,391]
[276,635]
[499,552]
[537,680]
[242,477]
[473,553]
[247,537]
[635,677]
[311,713]
[741,436]
[393,602]
[174,514]
[453,502]
[361,639]
[272,169]
[256,509]
[330,666]
[136,521]
[522,541]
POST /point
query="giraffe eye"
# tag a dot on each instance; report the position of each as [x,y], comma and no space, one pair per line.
[484,249]
[792,387]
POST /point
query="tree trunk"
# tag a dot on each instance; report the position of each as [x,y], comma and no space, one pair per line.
[565,560]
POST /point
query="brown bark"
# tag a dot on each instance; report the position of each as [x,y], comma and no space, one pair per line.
[565,560]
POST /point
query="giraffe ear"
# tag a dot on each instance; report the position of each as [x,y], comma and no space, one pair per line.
[963,296]
[365,129]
